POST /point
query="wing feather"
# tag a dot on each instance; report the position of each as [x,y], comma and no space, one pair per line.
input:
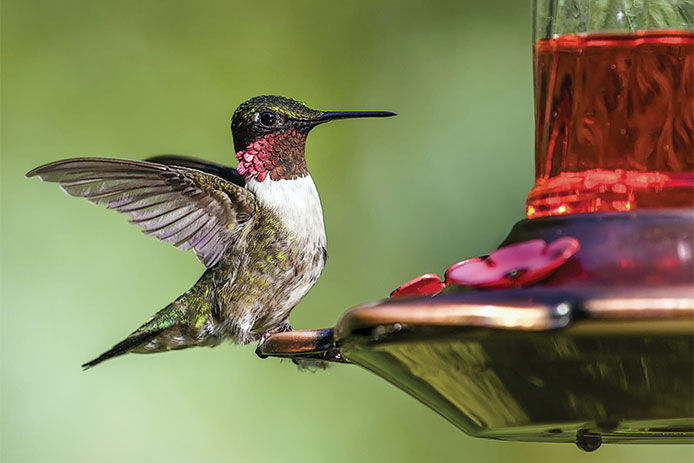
[187,207]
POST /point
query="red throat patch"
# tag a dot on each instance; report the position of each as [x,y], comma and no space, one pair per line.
[277,155]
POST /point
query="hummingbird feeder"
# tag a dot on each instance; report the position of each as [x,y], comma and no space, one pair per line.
[580,327]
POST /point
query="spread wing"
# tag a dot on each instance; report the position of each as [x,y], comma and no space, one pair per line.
[225,172]
[189,208]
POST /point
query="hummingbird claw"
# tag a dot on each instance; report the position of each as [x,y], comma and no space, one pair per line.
[281,328]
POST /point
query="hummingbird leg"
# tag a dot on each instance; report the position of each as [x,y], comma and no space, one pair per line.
[281,328]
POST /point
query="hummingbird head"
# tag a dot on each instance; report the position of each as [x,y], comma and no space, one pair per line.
[270,135]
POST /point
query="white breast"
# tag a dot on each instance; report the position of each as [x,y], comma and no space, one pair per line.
[296,203]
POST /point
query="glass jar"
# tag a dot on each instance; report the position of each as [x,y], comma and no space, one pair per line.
[614,106]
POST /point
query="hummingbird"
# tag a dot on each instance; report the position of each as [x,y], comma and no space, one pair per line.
[258,228]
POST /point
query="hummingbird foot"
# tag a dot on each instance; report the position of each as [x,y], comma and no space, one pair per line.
[281,328]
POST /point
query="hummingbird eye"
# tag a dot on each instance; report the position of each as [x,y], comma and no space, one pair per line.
[267,118]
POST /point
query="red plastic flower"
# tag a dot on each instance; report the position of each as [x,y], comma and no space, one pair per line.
[515,265]
[428,284]
[510,266]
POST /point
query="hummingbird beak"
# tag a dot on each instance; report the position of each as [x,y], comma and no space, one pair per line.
[326,116]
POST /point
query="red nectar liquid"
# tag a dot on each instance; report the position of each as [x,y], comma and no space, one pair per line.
[614,118]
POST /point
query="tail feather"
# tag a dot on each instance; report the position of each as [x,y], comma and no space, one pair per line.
[186,322]
[171,316]
[136,339]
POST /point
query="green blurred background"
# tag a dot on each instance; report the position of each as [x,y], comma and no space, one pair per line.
[444,180]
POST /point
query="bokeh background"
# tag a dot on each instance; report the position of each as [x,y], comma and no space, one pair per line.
[444,180]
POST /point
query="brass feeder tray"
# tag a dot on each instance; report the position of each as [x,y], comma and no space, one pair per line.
[600,352]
